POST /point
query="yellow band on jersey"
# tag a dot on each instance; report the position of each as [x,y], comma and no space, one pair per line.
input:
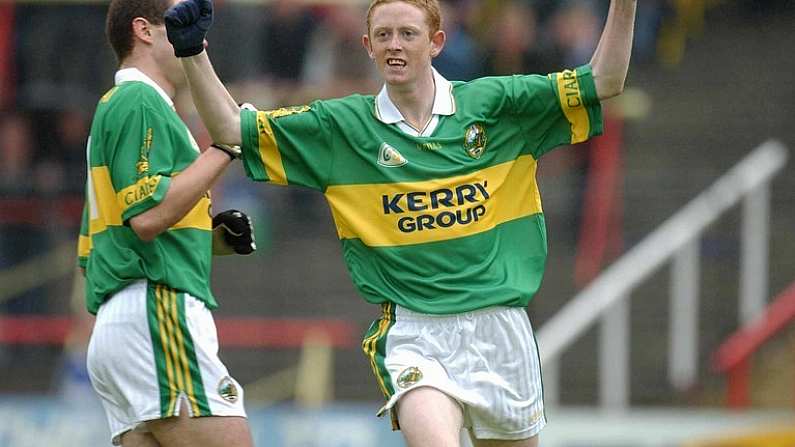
[389,215]
[269,151]
[571,102]
[108,207]
[83,246]
[144,188]
[110,203]
[198,217]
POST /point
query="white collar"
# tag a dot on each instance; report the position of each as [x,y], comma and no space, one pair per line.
[134,74]
[443,101]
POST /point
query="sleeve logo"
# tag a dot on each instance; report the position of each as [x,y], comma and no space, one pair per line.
[142,166]
[286,111]
[140,191]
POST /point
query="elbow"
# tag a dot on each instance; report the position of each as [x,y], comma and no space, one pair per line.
[619,86]
[609,82]
[146,234]
[617,89]
[611,88]
[145,228]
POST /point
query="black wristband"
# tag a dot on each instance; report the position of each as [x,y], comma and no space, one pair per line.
[226,149]
[188,52]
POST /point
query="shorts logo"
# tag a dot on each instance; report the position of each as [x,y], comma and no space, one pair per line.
[389,157]
[228,390]
[409,377]
[475,140]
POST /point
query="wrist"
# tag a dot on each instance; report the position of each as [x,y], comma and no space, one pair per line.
[233,152]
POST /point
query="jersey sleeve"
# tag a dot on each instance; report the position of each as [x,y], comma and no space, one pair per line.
[142,160]
[83,240]
[561,108]
[288,146]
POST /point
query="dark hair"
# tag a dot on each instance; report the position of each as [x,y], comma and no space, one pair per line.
[121,13]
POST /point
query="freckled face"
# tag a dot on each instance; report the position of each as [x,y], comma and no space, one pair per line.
[400,43]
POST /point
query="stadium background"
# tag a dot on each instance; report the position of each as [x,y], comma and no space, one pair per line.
[710,80]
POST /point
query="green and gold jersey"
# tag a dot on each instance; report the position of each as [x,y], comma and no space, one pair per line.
[137,145]
[442,224]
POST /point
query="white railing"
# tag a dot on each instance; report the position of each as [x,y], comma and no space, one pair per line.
[677,239]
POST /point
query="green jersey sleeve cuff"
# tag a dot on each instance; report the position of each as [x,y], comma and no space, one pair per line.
[143,196]
[591,100]
[576,92]
[252,160]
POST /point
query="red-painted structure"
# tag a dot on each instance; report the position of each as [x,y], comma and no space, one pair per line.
[733,357]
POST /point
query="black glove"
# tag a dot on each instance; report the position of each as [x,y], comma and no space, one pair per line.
[233,232]
[187,23]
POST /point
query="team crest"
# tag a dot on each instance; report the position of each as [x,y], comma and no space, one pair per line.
[409,377]
[228,389]
[389,157]
[475,140]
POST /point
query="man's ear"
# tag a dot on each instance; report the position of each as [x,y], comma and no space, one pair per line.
[367,46]
[437,42]
[142,29]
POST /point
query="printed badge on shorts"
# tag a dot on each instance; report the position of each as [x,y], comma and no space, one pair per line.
[409,377]
[227,389]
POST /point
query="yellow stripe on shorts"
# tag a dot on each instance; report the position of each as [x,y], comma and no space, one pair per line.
[183,356]
[370,348]
[174,348]
[166,351]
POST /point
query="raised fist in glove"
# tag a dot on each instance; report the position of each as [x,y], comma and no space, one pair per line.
[187,23]
[233,232]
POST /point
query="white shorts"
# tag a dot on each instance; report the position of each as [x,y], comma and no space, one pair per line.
[486,360]
[153,348]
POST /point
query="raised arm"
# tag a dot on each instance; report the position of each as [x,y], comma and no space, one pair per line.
[610,61]
[187,23]
[218,110]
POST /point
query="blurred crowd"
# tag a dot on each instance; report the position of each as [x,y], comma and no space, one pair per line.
[55,64]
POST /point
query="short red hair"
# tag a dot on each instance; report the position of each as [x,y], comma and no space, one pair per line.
[433,14]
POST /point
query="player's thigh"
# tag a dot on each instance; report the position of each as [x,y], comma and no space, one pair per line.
[429,418]
[136,438]
[207,431]
[531,442]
